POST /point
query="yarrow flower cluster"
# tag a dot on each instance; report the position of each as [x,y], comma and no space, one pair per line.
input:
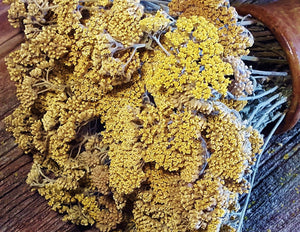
[125,111]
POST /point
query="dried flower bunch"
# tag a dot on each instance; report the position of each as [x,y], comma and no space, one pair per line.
[126,111]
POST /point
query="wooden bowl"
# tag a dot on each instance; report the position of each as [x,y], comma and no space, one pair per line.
[283,20]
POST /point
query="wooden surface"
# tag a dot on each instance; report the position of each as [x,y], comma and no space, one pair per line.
[275,199]
[20,209]
[275,204]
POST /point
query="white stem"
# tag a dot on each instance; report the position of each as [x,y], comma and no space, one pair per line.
[250,98]
[268,73]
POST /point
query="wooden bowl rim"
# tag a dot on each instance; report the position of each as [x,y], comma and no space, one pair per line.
[271,16]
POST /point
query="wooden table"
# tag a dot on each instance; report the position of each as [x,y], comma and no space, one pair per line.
[275,199]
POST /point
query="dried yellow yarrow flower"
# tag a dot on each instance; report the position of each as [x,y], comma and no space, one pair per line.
[194,62]
[122,112]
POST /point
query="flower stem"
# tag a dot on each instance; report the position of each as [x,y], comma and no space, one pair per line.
[250,98]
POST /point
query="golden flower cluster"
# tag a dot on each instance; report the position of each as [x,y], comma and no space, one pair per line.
[233,37]
[169,203]
[231,147]
[125,112]
[188,67]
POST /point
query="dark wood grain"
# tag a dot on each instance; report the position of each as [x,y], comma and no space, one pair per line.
[240,2]
[274,201]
